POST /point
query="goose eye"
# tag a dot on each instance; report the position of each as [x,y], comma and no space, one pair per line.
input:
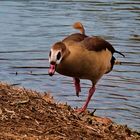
[50,54]
[58,56]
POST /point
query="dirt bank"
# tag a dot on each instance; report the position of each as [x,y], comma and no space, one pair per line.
[28,115]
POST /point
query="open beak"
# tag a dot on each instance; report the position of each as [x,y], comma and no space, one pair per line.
[52,69]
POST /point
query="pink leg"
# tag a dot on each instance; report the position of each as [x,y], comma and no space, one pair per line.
[91,91]
[77,85]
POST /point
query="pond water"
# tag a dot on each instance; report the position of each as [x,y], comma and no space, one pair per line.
[28,28]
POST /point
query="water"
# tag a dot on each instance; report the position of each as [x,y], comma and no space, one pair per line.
[28,28]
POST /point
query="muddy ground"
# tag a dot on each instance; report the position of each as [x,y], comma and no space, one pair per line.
[28,115]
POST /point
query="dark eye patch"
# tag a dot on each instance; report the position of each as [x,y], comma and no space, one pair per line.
[58,56]
[50,54]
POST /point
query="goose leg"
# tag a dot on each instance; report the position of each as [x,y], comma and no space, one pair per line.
[77,85]
[91,92]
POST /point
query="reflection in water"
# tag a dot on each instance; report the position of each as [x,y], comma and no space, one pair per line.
[29,28]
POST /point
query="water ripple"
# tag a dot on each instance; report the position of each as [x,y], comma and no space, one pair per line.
[29,28]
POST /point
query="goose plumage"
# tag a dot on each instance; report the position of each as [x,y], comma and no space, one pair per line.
[82,57]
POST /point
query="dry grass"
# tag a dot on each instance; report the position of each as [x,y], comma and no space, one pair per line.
[26,114]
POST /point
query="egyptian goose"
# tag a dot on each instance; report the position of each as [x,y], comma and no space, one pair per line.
[82,57]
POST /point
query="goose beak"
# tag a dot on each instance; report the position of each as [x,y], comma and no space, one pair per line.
[52,69]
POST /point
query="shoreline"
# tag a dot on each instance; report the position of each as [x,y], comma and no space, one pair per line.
[27,114]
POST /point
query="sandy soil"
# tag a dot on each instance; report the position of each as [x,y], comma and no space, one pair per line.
[28,115]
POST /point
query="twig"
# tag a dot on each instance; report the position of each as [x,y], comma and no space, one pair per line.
[48,130]
[21,101]
[0,111]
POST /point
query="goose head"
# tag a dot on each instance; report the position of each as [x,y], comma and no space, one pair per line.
[56,55]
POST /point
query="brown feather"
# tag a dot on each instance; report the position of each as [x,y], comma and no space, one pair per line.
[79,26]
[74,38]
[97,44]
